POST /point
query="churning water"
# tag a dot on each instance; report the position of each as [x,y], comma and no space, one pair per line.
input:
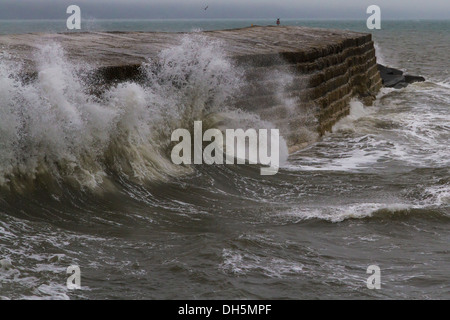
[87,180]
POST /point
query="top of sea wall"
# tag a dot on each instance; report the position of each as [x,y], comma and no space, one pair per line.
[256,45]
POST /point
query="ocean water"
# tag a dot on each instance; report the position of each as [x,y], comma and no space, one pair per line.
[88,181]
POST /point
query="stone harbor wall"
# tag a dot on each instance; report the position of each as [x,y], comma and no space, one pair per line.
[291,71]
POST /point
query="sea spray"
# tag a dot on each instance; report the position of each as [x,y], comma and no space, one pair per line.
[55,132]
[54,128]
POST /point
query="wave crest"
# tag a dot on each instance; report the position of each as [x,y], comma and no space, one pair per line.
[53,130]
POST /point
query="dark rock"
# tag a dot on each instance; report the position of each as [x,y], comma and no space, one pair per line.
[393,81]
[389,71]
[391,77]
[412,79]
[394,78]
[400,85]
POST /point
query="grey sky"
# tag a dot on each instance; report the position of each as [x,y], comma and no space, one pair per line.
[157,9]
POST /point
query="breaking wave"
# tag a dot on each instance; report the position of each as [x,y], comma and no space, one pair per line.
[53,131]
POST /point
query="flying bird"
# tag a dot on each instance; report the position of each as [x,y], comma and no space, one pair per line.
[206,8]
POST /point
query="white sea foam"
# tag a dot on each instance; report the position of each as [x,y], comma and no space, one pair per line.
[357,111]
[341,213]
[53,127]
[242,263]
[379,53]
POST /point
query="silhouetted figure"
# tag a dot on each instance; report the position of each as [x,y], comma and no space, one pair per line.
[278,22]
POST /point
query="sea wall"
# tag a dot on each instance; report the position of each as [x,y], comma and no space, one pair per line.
[324,68]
